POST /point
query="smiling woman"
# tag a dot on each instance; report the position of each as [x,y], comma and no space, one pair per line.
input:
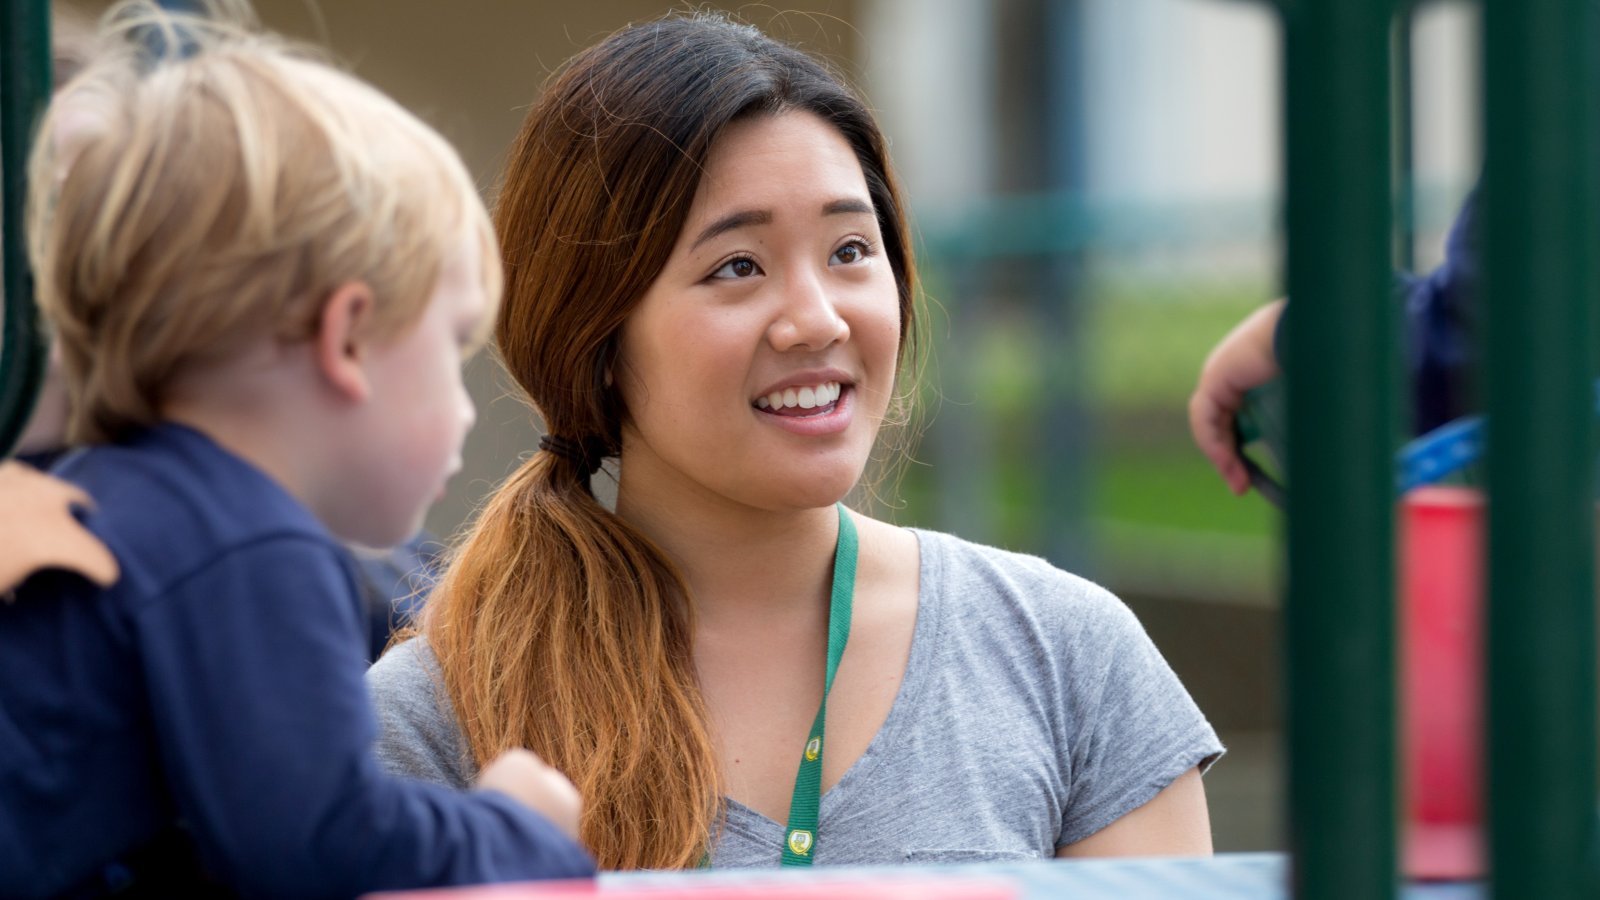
[777,288]
[709,277]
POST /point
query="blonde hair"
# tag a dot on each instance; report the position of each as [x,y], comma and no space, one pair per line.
[200,186]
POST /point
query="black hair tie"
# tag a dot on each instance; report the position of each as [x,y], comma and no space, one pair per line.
[586,454]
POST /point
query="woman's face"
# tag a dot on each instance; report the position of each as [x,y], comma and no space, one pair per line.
[758,366]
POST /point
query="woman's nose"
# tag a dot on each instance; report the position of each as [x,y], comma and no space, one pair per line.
[809,319]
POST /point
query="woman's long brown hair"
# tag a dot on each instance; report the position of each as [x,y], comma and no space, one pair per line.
[559,627]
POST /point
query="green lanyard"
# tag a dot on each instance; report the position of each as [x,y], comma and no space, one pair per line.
[800,837]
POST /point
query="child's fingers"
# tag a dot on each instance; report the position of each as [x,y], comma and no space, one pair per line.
[1241,361]
[1211,426]
[538,785]
[43,533]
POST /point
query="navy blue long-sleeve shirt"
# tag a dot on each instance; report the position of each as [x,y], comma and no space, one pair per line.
[1440,322]
[219,684]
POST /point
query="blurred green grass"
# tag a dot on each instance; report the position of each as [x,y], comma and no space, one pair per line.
[1174,488]
[1146,341]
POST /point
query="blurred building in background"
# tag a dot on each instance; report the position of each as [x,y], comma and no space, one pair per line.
[1097,186]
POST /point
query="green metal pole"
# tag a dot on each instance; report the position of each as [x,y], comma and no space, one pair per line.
[1539,216]
[24,90]
[1340,616]
[1403,175]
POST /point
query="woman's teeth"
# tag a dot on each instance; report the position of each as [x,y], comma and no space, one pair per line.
[803,398]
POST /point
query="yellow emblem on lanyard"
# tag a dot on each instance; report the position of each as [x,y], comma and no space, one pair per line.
[800,842]
[813,750]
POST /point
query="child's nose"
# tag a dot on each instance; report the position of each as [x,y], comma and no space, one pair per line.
[468,409]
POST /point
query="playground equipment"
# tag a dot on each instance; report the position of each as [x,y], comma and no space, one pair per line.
[1538,218]
[1441,531]
[24,87]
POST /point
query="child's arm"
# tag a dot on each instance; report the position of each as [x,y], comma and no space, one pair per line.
[1440,317]
[255,678]
[1242,360]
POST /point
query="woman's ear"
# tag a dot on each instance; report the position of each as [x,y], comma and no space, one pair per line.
[341,344]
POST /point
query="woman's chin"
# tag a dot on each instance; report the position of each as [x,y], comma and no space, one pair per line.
[813,493]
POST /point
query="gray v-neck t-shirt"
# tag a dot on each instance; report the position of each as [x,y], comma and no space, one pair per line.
[1034,712]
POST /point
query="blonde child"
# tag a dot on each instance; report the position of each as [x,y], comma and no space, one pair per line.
[393,580]
[263,275]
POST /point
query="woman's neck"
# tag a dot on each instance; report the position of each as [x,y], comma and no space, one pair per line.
[739,561]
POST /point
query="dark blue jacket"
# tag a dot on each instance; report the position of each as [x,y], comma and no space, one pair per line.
[1440,324]
[216,692]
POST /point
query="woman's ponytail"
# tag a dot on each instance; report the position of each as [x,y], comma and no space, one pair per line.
[561,629]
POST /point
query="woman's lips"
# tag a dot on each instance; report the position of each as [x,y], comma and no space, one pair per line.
[831,418]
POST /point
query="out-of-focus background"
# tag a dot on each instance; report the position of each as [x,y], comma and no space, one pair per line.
[1096,186]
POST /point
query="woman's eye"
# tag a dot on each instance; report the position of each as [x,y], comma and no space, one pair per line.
[853,252]
[743,267]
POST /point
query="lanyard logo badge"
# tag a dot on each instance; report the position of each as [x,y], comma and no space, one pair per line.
[813,749]
[800,842]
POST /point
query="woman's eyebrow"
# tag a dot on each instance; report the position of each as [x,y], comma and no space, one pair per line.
[747,217]
[729,222]
[846,205]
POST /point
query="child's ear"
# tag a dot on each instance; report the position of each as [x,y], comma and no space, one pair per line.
[341,342]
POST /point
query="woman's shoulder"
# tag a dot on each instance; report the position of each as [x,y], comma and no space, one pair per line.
[405,667]
[407,687]
[419,736]
[963,568]
[1019,596]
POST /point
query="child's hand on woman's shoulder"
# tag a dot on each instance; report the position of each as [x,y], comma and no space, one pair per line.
[40,531]
[534,783]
